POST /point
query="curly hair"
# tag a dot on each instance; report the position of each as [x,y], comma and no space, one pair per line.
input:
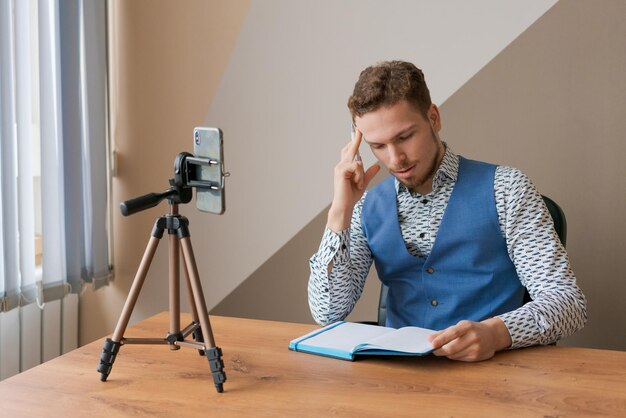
[386,84]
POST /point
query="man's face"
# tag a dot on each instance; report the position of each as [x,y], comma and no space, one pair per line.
[406,142]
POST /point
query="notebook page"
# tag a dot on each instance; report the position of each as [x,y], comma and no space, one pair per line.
[346,336]
[407,340]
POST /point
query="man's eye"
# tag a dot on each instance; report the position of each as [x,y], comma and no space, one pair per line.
[376,146]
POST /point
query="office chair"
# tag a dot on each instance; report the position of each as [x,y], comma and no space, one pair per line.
[560,225]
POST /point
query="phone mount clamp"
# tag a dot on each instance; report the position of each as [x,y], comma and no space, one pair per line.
[177,227]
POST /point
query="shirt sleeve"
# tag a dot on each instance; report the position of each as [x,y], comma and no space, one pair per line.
[558,306]
[338,271]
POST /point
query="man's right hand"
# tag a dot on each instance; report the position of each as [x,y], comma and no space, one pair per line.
[350,184]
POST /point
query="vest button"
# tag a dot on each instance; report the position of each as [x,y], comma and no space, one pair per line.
[434,302]
[430,270]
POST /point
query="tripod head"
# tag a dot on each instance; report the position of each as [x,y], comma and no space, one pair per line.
[187,175]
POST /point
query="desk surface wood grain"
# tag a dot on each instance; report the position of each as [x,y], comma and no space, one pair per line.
[266,379]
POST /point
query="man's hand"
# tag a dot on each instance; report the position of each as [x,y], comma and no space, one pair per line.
[471,341]
[350,183]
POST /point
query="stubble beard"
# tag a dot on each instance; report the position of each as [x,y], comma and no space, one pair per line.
[416,182]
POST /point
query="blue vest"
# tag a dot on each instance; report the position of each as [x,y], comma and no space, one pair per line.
[468,274]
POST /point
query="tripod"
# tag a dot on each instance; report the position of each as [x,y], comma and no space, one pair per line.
[178,231]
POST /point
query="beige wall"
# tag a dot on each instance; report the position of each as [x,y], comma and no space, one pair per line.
[542,93]
[166,63]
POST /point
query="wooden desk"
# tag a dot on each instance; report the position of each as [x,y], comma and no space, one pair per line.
[266,379]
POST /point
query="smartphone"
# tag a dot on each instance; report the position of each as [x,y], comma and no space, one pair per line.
[209,143]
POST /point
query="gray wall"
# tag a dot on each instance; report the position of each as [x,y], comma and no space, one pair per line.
[553,104]
[542,92]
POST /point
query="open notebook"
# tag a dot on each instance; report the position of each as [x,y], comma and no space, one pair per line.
[345,340]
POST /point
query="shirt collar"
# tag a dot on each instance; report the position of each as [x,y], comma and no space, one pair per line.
[446,173]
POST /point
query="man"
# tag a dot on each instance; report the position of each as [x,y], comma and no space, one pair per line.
[456,241]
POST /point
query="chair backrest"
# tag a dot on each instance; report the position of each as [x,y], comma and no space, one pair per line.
[560,226]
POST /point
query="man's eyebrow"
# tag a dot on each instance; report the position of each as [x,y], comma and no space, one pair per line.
[406,131]
[399,134]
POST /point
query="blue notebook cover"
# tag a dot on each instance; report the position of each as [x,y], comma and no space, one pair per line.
[345,340]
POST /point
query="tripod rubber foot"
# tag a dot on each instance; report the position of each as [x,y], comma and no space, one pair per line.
[214,355]
[109,352]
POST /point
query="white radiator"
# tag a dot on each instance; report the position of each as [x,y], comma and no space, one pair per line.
[30,335]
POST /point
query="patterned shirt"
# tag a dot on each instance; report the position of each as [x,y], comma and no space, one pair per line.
[558,309]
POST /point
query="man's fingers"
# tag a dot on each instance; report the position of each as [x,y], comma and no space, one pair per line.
[451,333]
[370,174]
[464,354]
[352,171]
[356,142]
[446,336]
[351,149]
[357,174]
[453,348]
[432,337]
[466,341]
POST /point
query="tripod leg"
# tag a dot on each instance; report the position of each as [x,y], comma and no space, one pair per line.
[174,333]
[213,353]
[112,345]
[197,333]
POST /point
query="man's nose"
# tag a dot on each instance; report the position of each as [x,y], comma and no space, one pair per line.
[396,156]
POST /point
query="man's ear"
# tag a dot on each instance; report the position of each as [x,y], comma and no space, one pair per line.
[434,117]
